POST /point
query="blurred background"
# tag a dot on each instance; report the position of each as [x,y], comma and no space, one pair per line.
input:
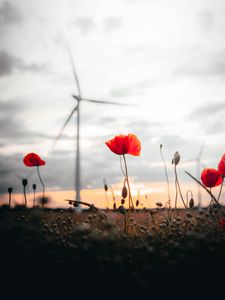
[165,57]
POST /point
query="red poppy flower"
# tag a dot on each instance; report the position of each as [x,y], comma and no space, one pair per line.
[222,224]
[125,144]
[221,165]
[211,177]
[33,160]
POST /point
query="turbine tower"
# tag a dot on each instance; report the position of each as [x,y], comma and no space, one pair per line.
[79,99]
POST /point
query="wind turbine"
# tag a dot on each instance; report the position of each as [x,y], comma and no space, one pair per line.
[199,164]
[76,109]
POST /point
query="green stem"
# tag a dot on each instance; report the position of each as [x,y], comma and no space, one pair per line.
[10,197]
[221,188]
[25,196]
[34,200]
[179,187]
[208,191]
[128,184]
[43,186]
[167,178]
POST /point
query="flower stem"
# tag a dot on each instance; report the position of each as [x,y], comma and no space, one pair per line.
[25,196]
[43,195]
[10,197]
[34,200]
[128,184]
[178,184]
[167,178]
[221,188]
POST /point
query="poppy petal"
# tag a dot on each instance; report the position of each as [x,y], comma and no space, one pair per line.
[125,144]
[211,177]
[33,160]
[221,165]
[134,145]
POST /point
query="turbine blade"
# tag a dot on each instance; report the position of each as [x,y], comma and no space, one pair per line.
[106,102]
[64,126]
[74,71]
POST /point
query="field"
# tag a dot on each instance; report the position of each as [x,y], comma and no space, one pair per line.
[95,248]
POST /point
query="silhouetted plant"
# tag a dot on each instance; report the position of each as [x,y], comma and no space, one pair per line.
[175,161]
[34,186]
[10,189]
[24,183]
[34,160]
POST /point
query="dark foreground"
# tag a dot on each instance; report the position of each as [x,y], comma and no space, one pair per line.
[46,248]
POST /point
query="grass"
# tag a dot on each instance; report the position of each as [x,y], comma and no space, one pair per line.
[93,247]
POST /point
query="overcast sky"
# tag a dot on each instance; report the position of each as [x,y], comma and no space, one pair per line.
[167,57]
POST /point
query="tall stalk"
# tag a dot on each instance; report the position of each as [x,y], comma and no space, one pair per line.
[42,183]
[128,184]
[167,178]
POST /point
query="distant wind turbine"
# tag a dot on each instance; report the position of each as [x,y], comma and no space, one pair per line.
[199,165]
[79,99]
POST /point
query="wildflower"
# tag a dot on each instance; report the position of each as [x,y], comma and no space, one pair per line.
[125,144]
[211,177]
[222,224]
[33,160]
[221,165]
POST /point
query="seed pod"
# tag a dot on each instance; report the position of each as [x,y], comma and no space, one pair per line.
[191,203]
[114,205]
[137,202]
[176,158]
[122,210]
[70,202]
[24,182]
[122,201]
[34,186]
[105,185]
[189,215]
[159,204]
[10,190]
[124,192]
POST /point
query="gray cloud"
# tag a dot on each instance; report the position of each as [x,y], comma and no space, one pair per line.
[85,24]
[206,19]
[112,23]
[121,92]
[208,109]
[10,63]
[211,117]
[9,14]
[203,65]
[13,128]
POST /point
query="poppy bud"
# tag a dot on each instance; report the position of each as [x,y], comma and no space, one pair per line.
[137,202]
[191,203]
[124,192]
[122,201]
[34,186]
[24,182]
[10,190]
[176,158]
[114,205]
[105,185]
[122,210]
